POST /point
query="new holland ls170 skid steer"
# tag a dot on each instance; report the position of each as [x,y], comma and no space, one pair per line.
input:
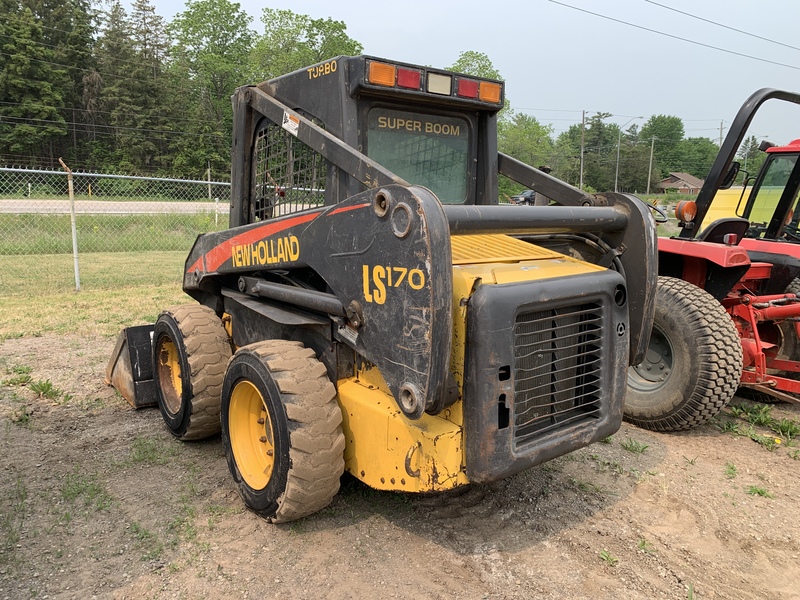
[373,309]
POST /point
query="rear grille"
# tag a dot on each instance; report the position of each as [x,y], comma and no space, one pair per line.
[558,375]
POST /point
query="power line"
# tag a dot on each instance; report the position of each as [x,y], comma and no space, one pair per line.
[669,35]
[723,26]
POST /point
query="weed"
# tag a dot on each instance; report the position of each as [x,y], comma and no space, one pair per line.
[755,490]
[22,376]
[645,546]
[730,471]
[691,461]
[88,488]
[140,532]
[769,442]
[730,427]
[150,451]
[608,557]
[794,454]
[607,440]
[788,428]
[46,389]
[634,446]
[12,515]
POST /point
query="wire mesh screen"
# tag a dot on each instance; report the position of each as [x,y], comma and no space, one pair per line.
[289,176]
[427,150]
[124,226]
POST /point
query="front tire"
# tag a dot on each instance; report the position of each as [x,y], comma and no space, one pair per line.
[190,352]
[693,364]
[281,430]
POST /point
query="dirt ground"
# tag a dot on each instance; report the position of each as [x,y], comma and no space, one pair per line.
[99,501]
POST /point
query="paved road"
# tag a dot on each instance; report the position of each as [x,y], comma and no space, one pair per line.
[102,207]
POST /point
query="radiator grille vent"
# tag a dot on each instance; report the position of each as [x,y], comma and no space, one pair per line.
[558,376]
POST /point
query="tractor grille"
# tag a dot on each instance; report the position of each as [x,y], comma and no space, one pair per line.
[558,375]
[288,176]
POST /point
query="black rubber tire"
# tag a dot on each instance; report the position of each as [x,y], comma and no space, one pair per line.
[756,396]
[303,426]
[697,353]
[192,339]
[791,344]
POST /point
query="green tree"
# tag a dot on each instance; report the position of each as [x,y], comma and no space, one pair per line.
[668,132]
[211,43]
[292,41]
[697,155]
[527,140]
[749,155]
[29,101]
[476,64]
[68,32]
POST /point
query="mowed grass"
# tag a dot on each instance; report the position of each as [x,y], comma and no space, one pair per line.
[52,234]
[38,296]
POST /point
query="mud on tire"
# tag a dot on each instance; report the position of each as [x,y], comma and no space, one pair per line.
[190,352]
[693,365]
[281,430]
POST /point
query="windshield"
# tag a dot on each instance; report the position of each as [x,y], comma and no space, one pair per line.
[766,197]
[427,150]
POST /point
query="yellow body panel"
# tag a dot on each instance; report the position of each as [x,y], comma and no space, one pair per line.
[386,450]
[724,205]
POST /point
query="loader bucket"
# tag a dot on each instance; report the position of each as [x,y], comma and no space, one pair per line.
[130,368]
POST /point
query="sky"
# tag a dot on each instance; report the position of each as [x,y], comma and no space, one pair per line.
[558,59]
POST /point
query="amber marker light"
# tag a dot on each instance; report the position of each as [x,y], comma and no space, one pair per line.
[489,92]
[686,211]
[381,74]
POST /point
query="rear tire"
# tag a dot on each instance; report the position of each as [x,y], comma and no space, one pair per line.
[190,352]
[693,365]
[282,430]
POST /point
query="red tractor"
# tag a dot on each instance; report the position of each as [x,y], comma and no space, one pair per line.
[726,310]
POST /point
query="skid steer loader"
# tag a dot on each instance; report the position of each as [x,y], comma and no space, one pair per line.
[373,309]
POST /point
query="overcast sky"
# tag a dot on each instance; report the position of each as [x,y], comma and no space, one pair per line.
[558,61]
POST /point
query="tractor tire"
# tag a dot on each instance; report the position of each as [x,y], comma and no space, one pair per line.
[693,365]
[791,344]
[282,430]
[190,352]
[756,396]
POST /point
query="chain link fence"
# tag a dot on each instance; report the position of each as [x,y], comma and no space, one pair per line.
[129,230]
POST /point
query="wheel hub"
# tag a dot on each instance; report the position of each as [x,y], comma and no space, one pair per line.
[251,435]
[655,369]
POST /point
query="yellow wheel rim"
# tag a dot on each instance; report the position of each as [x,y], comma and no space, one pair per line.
[251,436]
[169,370]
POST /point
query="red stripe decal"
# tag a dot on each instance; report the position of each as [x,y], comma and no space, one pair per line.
[217,256]
[336,211]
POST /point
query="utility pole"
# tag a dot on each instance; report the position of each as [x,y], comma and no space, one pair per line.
[720,134]
[583,136]
[650,168]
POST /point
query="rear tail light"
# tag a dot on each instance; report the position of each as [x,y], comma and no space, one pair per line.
[381,74]
[467,88]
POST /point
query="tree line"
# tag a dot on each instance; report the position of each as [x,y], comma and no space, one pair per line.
[128,92]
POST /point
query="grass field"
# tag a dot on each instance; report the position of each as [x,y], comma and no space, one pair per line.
[37,293]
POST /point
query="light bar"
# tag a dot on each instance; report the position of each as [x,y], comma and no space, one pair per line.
[408,78]
[381,74]
[440,84]
[467,88]
[490,92]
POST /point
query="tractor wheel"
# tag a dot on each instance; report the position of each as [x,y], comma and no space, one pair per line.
[693,364]
[282,430]
[791,345]
[756,396]
[190,352]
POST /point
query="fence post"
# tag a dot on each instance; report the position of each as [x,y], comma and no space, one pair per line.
[72,223]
